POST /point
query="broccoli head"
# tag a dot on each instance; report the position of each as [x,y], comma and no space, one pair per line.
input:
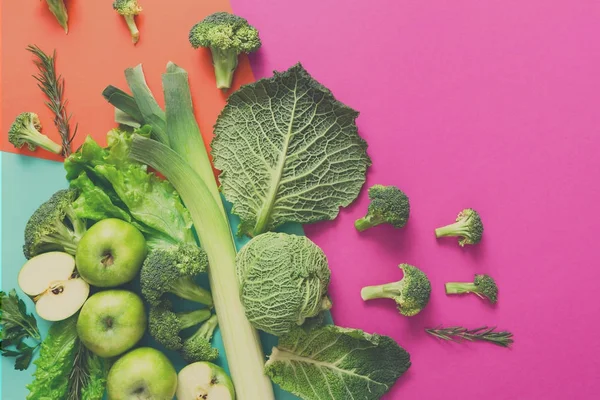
[165,325]
[482,286]
[173,270]
[411,293]
[197,347]
[468,227]
[54,226]
[129,9]
[388,205]
[26,130]
[227,36]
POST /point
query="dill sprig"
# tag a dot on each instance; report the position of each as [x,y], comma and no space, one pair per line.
[483,334]
[53,86]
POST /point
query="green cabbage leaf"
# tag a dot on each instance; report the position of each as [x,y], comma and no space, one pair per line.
[288,151]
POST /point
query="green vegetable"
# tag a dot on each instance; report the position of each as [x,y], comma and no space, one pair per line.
[411,293]
[483,334]
[113,186]
[26,130]
[54,226]
[173,270]
[127,111]
[283,281]
[165,325]
[389,205]
[337,364]
[189,170]
[227,36]
[57,7]
[483,286]
[66,370]
[17,326]
[468,227]
[298,157]
[198,347]
[129,9]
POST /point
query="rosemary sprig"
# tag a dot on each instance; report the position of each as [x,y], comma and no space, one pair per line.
[53,86]
[483,334]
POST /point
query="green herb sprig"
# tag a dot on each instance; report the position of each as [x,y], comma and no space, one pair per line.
[483,334]
[17,325]
[53,86]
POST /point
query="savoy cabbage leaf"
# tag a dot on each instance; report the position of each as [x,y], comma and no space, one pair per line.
[333,363]
[288,151]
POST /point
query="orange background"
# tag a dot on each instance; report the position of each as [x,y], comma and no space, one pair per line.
[95,54]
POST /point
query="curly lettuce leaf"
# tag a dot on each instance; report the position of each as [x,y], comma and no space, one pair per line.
[113,186]
[333,363]
[57,354]
[288,151]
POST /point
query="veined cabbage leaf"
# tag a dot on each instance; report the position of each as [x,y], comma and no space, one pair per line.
[333,363]
[288,151]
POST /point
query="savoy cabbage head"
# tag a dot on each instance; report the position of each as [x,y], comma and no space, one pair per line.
[283,281]
[288,151]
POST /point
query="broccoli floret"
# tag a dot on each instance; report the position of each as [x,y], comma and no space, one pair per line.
[172,270]
[165,326]
[26,130]
[411,293]
[54,226]
[198,347]
[129,9]
[388,205]
[468,227]
[57,7]
[482,286]
[227,36]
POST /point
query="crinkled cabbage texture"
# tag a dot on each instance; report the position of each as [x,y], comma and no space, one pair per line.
[283,280]
[288,151]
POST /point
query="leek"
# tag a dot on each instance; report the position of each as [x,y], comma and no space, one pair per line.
[186,165]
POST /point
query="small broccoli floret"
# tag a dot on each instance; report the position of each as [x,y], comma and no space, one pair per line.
[468,227]
[54,226]
[482,286]
[173,270]
[129,9]
[198,347]
[411,293]
[26,130]
[227,36]
[165,326]
[57,7]
[389,205]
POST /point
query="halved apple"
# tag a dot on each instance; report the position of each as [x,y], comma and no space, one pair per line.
[51,280]
[204,380]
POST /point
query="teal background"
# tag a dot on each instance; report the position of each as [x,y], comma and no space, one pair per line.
[27,182]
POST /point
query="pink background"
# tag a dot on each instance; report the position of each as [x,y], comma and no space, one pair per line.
[466,103]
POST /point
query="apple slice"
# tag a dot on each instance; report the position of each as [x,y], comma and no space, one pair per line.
[204,380]
[51,281]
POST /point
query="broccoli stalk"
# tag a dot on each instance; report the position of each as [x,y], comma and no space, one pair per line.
[26,130]
[388,205]
[227,36]
[57,7]
[411,293]
[54,226]
[173,270]
[129,9]
[165,326]
[483,286]
[468,227]
[197,347]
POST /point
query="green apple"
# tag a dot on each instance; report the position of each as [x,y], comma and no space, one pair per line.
[51,281]
[204,380]
[143,373]
[111,322]
[110,253]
